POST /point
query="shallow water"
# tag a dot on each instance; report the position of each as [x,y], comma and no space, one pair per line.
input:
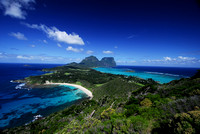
[160,74]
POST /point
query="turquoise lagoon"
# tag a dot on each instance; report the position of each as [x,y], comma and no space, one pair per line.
[157,76]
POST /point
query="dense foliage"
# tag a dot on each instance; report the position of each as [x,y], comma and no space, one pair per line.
[121,105]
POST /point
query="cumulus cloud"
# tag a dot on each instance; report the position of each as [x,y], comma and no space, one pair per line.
[107,52]
[18,35]
[16,8]
[56,34]
[90,52]
[167,58]
[59,45]
[70,48]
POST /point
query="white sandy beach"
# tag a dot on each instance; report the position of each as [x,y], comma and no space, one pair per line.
[88,92]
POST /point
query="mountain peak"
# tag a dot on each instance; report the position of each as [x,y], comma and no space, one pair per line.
[92,61]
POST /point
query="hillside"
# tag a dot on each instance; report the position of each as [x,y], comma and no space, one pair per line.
[121,105]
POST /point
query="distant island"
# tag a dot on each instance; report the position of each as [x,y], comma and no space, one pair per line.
[130,71]
[92,61]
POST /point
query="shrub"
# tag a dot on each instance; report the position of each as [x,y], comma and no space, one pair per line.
[107,113]
[146,103]
[131,109]
[195,92]
[185,123]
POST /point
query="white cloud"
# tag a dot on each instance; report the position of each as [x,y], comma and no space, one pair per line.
[116,47]
[25,57]
[186,58]
[18,35]
[90,52]
[167,58]
[41,58]
[70,48]
[45,41]
[153,60]
[59,45]
[125,62]
[56,34]
[107,52]
[176,60]
[32,45]
[19,58]
[16,8]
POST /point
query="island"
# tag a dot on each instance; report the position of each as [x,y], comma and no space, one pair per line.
[117,103]
[130,71]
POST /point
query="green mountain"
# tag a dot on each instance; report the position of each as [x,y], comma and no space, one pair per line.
[92,61]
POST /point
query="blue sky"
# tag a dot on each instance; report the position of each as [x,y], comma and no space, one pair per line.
[134,32]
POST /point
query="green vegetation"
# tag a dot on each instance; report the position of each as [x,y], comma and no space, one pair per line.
[67,73]
[48,74]
[121,105]
[92,61]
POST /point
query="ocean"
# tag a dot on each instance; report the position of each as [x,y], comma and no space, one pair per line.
[19,105]
[159,74]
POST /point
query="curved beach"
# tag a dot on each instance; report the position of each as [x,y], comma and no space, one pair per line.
[86,91]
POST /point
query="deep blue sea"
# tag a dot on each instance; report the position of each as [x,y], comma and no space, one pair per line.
[19,106]
[160,74]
